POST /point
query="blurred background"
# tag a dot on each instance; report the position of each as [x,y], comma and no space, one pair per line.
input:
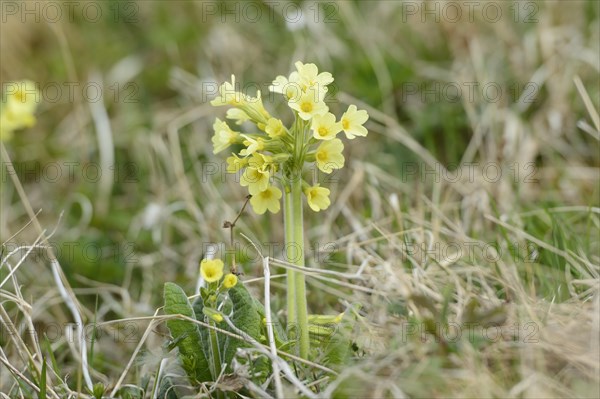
[474,107]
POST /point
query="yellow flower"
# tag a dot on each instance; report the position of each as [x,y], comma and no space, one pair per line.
[223,136]
[329,155]
[211,270]
[317,197]
[267,199]
[22,99]
[274,128]
[228,95]
[324,127]
[237,115]
[290,88]
[352,122]
[217,317]
[212,313]
[252,145]
[259,161]
[257,179]
[9,123]
[309,104]
[235,163]
[310,76]
[254,105]
[230,281]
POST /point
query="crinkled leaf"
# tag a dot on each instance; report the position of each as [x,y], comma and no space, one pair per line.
[245,317]
[186,334]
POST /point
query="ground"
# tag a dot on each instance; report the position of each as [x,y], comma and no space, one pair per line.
[464,229]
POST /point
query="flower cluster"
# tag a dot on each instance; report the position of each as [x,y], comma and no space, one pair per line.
[18,108]
[274,152]
[211,271]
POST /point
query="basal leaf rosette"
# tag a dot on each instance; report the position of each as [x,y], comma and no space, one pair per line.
[274,153]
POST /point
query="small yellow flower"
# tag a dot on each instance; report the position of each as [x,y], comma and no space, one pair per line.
[211,270]
[230,281]
[309,104]
[353,121]
[324,127]
[267,199]
[252,145]
[235,163]
[228,95]
[317,197]
[9,123]
[329,155]
[22,99]
[211,313]
[217,317]
[310,76]
[290,88]
[257,179]
[223,137]
[259,161]
[237,115]
[254,105]
[275,128]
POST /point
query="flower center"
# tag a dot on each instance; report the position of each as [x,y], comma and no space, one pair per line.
[322,156]
[323,131]
[19,95]
[345,124]
[306,107]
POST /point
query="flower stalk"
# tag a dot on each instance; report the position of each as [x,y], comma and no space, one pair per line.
[274,154]
[294,244]
[216,356]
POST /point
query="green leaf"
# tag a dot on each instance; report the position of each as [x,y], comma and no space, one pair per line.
[42,393]
[98,390]
[186,334]
[278,330]
[245,317]
[168,389]
[198,307]
[337,350]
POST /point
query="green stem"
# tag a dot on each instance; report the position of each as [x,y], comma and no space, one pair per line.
[216,357]
[294,225]
[289,237]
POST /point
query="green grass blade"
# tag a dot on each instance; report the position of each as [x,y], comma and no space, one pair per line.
[42,393]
